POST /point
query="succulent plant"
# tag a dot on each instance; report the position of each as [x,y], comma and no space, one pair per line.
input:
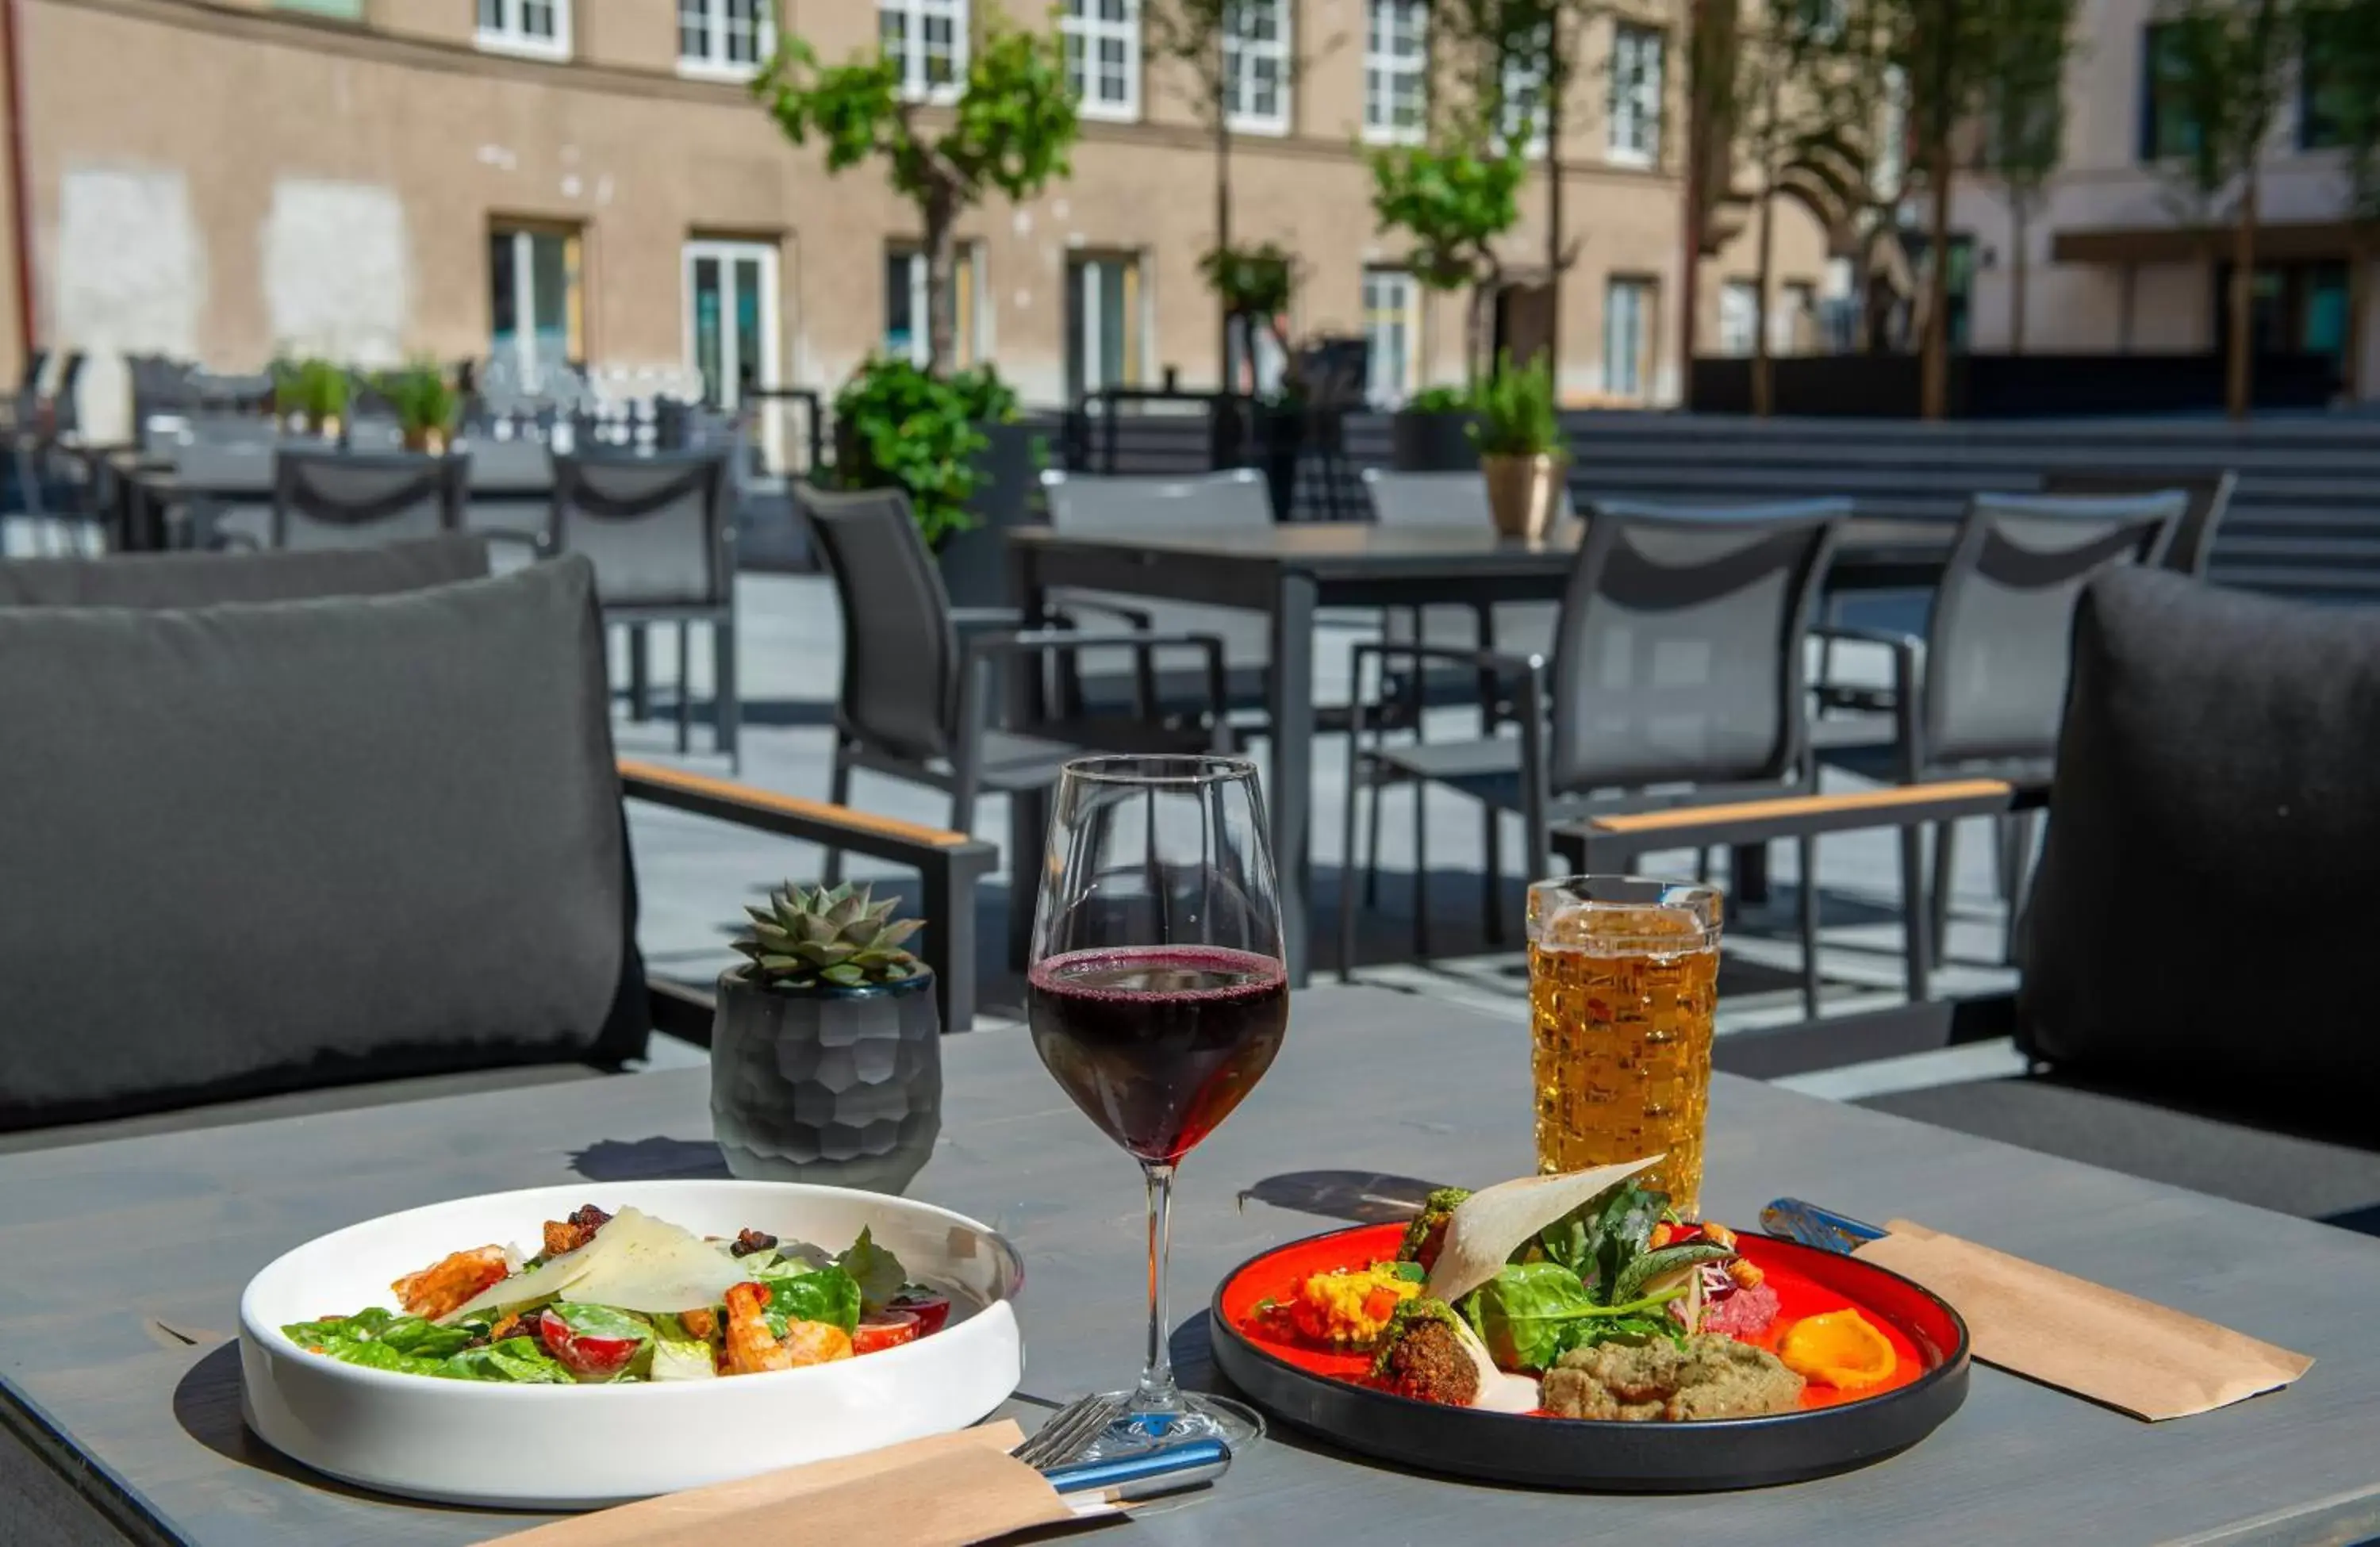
[842,937]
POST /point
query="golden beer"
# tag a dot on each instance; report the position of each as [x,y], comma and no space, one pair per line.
[1624,978]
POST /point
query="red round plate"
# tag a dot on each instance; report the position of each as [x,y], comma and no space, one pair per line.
[1325,1392]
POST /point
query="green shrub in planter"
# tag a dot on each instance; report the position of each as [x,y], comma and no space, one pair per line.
[896,426]
[1440,400]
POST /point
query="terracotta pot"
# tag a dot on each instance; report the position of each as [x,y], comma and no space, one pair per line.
[1523,493]
[425,439]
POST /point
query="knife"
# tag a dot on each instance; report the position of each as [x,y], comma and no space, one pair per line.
[1145,1474]
[1813,1226]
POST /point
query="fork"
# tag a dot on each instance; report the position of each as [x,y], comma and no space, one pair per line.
[1069,1429]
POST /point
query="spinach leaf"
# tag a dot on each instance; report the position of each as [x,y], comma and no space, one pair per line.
[1619,1234]
[1524,1312]
[878,1272]
[1648,1266]
[829,1295]
[516,1359]
[1532,1313]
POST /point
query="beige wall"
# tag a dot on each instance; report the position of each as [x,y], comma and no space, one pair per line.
[220,182]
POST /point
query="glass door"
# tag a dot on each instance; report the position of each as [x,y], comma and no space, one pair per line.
[731,318]
[534,314]
[1102,324]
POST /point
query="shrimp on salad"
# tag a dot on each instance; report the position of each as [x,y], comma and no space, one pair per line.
[751,1348]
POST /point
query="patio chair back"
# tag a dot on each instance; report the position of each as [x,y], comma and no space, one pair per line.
[654,527]
[1998,646]
[1137,505]
[1678,658]
[1437,499]
[2193,536]
[333,499]
[900,647]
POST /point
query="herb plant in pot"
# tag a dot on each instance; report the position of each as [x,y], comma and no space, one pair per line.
[826,1060]
[313,392]
[426,405]
[1520,442]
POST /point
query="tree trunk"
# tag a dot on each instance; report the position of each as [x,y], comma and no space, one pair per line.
[1763,385]
[942,303]
[2020,217]
[1474,332]
[2239,383]
[1690,260]
[1934,367]
[1553,208]
[1223,209]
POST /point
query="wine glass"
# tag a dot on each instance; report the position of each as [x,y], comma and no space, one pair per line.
[1158,997]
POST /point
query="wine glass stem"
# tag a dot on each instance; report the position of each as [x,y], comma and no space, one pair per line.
[1158,1393]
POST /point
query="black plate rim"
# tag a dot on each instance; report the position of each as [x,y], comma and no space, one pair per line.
[1905,1414]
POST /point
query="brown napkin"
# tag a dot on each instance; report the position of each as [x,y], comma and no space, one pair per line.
[944,1492]
[2083,1337]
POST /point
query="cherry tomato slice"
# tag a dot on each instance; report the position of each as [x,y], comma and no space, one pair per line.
[886,1329]
[588,1357]
[932,1312]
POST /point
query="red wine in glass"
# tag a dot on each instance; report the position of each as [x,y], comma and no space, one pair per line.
[1158,1043]
[1158,999]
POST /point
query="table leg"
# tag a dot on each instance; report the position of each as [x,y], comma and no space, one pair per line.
[1293,764]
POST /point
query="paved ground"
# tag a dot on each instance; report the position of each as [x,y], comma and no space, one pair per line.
[693,875]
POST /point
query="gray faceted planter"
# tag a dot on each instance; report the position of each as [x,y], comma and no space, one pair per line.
[842,1087]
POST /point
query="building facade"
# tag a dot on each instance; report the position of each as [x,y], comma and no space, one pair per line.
[531,180]
[2124,258]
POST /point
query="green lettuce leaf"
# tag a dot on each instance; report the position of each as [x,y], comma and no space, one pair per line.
[1645,1267]
[679,1356]
[516,1359]
[1532,1313]
[829,1295]
[878,1272]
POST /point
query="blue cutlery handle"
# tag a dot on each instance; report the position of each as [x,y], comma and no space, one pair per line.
[1814,1226]
[1146,1474]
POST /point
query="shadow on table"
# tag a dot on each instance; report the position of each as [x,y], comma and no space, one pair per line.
[651,1160]
[1360,1197]
[206,1403]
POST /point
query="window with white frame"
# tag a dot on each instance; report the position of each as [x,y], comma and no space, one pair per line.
[1392,333]
[1257,67]
[541,27]
[929,40]
[1396,70]
[1524,84]
[1636,116]
[1627,335]
[724,37]
[1739,317]
[1102,43]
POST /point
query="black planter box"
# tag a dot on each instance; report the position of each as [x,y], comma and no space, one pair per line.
[974,563]
[1431,441]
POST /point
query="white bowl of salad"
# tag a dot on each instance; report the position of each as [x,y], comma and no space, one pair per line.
[571,1346]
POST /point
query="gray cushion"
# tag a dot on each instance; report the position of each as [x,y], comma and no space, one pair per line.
[269,846]
[2204,915]
[205,579]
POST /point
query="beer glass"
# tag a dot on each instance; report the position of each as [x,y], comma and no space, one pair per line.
[1623,978]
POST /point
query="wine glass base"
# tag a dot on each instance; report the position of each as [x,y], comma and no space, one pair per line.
[1198,1417]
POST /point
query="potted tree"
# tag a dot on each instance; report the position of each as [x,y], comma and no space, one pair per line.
[1454,201]
[825,1048]
[1519,438]
[1254,286]
[954,447]
[426,405]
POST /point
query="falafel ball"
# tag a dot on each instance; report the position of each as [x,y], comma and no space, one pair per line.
[1422,1356]
[1426,1233]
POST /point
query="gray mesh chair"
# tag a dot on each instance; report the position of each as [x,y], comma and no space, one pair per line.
[2193,536]
[916,702]
[1676,677]
[1110,681]
[656,531]
[1982,694]
[512,486]
[333,499]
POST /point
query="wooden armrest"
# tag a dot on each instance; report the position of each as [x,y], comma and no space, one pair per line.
[787,815]
[1751,821]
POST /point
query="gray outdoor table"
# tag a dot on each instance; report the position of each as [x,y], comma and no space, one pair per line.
[121,1266]
[147,487]
[1294,570]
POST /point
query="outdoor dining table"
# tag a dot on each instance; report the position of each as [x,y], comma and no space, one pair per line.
[143,489]
[121,1265]
[1294,570]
